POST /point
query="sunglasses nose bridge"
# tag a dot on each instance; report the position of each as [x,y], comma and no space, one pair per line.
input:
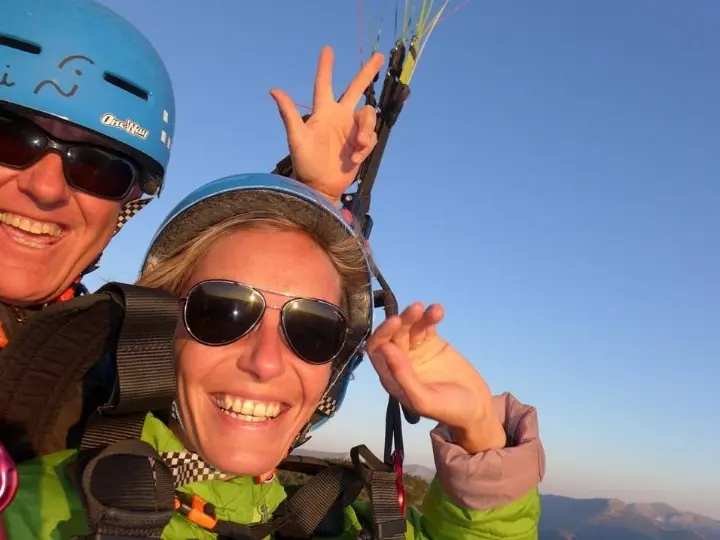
[270,319]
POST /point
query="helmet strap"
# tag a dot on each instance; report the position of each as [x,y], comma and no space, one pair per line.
[129,210]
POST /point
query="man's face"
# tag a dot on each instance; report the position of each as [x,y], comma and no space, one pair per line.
[49,232]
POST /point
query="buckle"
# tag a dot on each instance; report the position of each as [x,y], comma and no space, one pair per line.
[196,510]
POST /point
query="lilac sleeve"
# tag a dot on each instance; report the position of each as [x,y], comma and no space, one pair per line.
[497,477]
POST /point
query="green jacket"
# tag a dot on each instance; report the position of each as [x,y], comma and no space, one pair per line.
[48,507]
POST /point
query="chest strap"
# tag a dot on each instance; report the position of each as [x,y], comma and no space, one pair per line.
[129,493]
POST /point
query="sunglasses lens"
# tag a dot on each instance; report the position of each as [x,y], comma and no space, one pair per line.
[315,330]
[219,312]
[98,172]
[87,168]
[20,144]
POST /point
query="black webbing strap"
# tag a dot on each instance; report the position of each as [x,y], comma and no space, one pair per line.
[302,513]
[333,523]
[42,368]
[127,490]
[144,362]
[332,487]
[383,484]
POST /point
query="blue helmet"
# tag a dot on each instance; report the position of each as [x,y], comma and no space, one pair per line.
[76,60]
[220,200]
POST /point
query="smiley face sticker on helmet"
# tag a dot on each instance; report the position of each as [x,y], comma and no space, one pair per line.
[62,65]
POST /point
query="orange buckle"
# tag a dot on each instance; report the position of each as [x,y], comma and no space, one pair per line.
[196,510]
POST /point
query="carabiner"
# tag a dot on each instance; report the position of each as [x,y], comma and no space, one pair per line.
[8,479]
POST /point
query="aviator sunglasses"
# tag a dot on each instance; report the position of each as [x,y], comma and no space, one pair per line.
[87,168]
[220,312]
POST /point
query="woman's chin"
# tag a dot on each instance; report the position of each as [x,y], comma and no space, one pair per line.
[244,462]
[243,448]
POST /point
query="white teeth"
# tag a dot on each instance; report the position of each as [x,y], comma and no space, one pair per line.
[247,409]
[30,225]
[244,417]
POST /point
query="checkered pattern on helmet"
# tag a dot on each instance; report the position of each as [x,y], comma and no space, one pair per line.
[327,405]
[188,467]
[129,210]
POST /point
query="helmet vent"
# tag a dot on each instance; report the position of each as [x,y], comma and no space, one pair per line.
[19,44]
[127,86]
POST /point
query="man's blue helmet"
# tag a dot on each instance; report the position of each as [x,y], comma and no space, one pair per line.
[78,61]
[220,200]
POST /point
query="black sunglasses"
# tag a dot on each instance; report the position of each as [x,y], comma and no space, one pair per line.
[87,168]
[220,312]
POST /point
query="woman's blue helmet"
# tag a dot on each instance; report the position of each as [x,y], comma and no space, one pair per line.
[220,200]
[78,61]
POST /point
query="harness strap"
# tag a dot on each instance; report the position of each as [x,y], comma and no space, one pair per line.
[144,362]
[318,506]
[41,371]
[299,516]
[386,491]
[129,492]
[332,487]
[333,522]
[122,505]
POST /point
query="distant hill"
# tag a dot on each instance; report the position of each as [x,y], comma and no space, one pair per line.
[426,473]
[320,454]
[566,518]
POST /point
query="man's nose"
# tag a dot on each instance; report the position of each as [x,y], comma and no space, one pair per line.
[264,356]
[45,182]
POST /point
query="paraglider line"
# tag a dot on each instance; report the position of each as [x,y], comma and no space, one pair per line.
[453,12]
[433,24]
[360,31]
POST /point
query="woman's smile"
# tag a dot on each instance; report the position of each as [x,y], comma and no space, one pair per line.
[255,412]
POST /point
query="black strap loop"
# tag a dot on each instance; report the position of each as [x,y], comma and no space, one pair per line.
[128,490]
[383,482]
[144,363]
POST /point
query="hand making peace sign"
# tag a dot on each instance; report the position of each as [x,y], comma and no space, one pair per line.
[328,149]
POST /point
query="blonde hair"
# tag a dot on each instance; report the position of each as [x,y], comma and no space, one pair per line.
[186,241]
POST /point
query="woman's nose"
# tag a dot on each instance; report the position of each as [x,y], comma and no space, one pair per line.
[264,356]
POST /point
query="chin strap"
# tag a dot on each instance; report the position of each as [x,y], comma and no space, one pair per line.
[128,211]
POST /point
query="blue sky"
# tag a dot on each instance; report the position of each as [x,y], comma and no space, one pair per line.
[553,181]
